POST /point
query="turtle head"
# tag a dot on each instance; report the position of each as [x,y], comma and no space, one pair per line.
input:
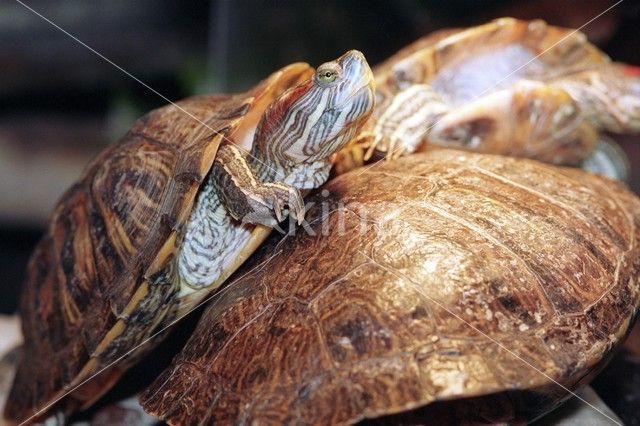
[310,122]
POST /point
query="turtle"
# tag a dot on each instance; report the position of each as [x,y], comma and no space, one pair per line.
[162,217]
[484,290]
[508,87]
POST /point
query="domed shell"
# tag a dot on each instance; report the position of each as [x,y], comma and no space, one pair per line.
[486,287]
[108,236]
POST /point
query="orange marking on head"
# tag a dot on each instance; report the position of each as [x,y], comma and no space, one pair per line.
[632,70]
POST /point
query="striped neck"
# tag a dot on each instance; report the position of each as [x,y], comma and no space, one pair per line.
[404,119]
[265,165]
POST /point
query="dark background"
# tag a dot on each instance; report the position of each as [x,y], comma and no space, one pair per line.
[60,103]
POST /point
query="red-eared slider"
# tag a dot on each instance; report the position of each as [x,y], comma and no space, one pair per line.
[164,216]
[511,87]
[477,292]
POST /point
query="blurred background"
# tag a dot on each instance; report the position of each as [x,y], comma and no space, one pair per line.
[60,103]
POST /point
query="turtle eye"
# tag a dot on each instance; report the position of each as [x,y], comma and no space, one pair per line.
[326,76]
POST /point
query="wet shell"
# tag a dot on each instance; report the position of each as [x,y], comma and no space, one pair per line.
[109,234]
[478,291]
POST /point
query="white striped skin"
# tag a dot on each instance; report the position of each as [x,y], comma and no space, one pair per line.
[328,112]
[406,120]
[211,239]
[291,150]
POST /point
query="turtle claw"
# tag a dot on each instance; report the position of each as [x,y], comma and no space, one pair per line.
[391,148]
[269,204]
[277,209]
[369,153]
[394,150]
[374,146]
[272,202]
[297,209]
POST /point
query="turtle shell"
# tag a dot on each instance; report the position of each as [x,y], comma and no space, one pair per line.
[525,49]
[90,279]
[510,87]
[463,64]
[484,290]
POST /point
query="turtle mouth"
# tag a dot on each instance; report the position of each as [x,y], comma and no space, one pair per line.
[366,86]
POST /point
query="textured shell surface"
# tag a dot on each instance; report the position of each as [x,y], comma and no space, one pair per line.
[88,281]
[486,278]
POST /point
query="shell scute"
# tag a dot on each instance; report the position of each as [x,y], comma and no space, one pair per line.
[436,303]
[103,236]
[83,304]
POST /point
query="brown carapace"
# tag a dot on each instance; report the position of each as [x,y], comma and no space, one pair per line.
[161,218]
[477,292]
[107,237]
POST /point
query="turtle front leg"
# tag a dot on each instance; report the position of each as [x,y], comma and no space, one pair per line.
[405,121]
[246,198]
